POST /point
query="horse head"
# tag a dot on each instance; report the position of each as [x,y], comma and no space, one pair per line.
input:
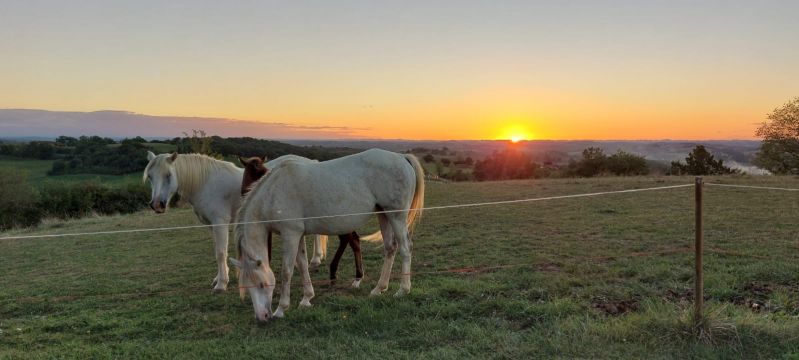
[256,278]
[254,169]
[161,174]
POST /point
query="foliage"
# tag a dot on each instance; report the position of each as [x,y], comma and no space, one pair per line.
[700,162]
[429,158]
[247,146]
[505,165]
[593,163]
[623,163]
[98,155]
[198,143]
[779,152]
[82,199]
[41,150]
[18,201]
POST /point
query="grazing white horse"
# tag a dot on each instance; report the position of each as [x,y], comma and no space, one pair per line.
[361,183]
[213,188]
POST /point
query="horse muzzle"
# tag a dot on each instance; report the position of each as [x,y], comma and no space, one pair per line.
[158,206]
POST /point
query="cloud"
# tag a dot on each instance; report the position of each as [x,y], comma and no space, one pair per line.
[27,122]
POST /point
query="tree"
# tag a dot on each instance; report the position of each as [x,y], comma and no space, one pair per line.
[593,163]
[624,164]
[429,158]
[199,143]
[446,162]
[779,152]
[700,162]
[508,164]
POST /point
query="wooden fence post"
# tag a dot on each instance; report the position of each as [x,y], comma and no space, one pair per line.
[699,239]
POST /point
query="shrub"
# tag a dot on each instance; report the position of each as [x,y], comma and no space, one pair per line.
[508,164]
[627,164]
[700,162]
[17,201]
[77,200]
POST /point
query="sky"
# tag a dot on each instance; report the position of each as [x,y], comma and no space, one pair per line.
[408,69]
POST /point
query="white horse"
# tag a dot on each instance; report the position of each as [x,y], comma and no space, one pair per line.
[361,183]
[213,188]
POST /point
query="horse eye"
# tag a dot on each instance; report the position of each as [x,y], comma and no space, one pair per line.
[168,176]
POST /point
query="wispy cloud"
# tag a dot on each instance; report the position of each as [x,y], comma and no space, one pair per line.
[28,122]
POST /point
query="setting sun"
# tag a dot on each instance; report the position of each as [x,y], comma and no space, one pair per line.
[514,133]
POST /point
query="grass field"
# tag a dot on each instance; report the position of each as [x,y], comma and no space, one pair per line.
[37,173]
[600,277]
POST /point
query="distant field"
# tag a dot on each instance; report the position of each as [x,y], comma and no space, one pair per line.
[599,277]
[37,172]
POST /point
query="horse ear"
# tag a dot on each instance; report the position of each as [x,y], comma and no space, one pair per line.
[263,159]
[150,155]
[243,161]
[235,263]
[173,156]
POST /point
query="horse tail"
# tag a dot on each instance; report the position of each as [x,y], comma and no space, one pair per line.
[376,236]
[323,245]
[417,203]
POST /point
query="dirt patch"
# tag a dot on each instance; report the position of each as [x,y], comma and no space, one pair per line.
[616,308]
[548,267]
[755,296]
[679,295]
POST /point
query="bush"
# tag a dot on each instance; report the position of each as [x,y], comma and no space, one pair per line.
[505,165]
[625,164]
[18,201]
[700,162]
[77,200]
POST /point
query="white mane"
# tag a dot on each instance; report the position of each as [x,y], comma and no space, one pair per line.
[193,170]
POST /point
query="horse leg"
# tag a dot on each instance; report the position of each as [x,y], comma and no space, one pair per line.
[220,246]
[302,265]
[269,247]
[389,250]
[398,224]
[291,245]
[342,245]
[319,250]
[355,244]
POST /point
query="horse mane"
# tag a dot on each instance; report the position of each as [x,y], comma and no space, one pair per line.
[193,170]
[245,248]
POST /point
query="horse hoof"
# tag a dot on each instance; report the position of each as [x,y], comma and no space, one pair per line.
[305,303]
[278,313]
[219,290]
[356,283]
[401,293]
[377,292]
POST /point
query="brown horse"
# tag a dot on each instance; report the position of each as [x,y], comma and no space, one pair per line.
[254,169]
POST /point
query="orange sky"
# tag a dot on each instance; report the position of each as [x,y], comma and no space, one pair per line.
[450,70]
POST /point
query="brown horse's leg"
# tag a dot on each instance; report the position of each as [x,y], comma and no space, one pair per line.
[342,245]
[269,247]
[355,244]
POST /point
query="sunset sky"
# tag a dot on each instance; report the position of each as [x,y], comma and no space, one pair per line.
[413,69]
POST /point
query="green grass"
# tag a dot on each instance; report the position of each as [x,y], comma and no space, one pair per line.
[148,295]
[37,173]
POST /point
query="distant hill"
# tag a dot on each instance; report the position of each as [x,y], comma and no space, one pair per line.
[740,152]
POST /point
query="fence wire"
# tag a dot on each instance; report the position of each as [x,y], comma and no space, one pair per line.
[332,283]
